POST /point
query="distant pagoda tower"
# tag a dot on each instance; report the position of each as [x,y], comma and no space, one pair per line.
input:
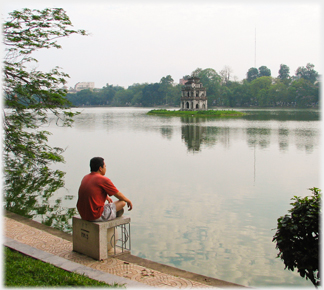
[193,95]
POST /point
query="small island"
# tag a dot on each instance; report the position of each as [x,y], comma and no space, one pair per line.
[193,103]
[200,113]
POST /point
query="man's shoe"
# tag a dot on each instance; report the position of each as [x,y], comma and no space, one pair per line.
[120,213]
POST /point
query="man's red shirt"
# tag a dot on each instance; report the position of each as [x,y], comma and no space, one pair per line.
[93,194]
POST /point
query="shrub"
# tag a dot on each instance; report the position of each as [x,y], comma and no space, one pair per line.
[297,236]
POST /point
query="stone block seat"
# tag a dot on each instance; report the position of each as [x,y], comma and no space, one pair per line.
[101,240]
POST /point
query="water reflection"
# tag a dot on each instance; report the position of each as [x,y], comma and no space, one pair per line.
[258,136]
[283,139]
[193,136]
[167,132]
[202,132]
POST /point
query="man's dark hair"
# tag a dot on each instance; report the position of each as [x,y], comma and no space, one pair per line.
[95,163]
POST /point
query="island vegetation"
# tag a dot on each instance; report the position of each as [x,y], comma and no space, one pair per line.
[200,113]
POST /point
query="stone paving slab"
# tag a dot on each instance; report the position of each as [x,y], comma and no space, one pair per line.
[63,256]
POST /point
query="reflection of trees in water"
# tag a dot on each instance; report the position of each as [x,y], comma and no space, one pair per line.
[283,139]
[305,139]
[195,134]
[167,132]
[258,136]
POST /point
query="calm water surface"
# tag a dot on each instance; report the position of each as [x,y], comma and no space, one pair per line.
[206,192]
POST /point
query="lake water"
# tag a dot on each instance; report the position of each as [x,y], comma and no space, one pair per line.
[206,193]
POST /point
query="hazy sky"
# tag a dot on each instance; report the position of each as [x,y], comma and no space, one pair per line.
[141,41]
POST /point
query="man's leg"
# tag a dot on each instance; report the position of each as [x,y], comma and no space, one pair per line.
[119,207]
[119,204]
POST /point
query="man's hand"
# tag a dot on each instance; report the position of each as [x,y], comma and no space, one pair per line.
[109,199]
[130,205]
[122,197]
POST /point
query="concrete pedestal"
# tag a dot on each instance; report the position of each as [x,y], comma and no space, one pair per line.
[95,239]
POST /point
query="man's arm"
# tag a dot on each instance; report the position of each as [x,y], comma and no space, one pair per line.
[122,197]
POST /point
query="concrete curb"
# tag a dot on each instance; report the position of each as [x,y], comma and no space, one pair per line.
[70,266]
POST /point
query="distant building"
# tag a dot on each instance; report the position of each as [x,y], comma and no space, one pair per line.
[193,95]
[84,86]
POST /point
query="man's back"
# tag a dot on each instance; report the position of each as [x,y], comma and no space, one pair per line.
[93,194]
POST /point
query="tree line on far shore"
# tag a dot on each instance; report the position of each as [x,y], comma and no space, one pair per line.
[259,89]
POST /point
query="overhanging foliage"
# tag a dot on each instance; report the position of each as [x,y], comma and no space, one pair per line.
[29,97]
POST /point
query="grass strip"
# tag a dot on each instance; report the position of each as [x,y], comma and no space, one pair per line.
[207,113]
[24,271]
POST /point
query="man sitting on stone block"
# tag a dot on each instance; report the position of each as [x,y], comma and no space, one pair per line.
[94,190]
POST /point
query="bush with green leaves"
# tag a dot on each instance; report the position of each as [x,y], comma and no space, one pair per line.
[297,236]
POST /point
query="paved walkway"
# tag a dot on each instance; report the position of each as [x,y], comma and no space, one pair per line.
[55,247]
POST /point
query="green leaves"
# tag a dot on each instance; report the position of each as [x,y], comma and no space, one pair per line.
[29,97]
[28,30]
[297,236]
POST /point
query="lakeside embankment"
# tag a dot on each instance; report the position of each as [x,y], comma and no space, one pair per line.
[41,242]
